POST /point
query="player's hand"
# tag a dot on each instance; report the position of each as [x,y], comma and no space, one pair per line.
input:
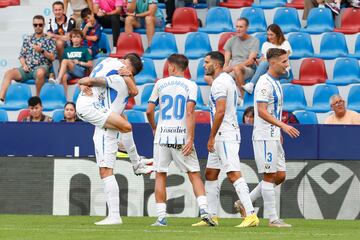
[75,61]
[188,148]
[291,131]
[124,71]
[228,69]
[26,68]
[210,144]
[86,90]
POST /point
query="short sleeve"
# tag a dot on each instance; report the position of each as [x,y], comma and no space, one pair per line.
[262,91]
[264,48]
[255,45]
[154,97]
[24,47]
[116,82]
[218,90]
[287,46]
[96,1]
[228,44]
[87,55]
[193,91]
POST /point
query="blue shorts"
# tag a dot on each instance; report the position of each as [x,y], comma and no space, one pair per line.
[78,72]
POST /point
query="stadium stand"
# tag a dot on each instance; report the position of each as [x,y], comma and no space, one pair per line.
[319,20]
[135,116]
[184,20]
[256,17]
[166,71]
[266,4]
[350,21]
[218,20]
[128,42]
[294,97]
[357,48]
[197,44]
[104,47]
[298,4]
[58,115]
[333,45]
[17,96]
[222,40]
[3,115]
[147,74]
[146,92]
[306,117]
[248,101]
[346,71]
[301,45]
[321,98]
[162,45]
[52,96]
[239,115]
[202,117]
[312,71]
[354,98]
[236,3]
[287,19]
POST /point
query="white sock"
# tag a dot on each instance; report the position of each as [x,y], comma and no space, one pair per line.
[111,190]
[242,191]
[129,144]
[161,210]
[212,189]
[202,202]
[256,192]
[268,193]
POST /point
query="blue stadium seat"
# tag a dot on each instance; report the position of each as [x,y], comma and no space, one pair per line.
[200,102]
[16,97]
[200,73]
[262,37]
[76,94]
[52,96]
[240,115]
[346,71]
[301,45]
[319,20]
[294,97]
[248,101]
[333,45]
[287,19]
[256,17]
[218,20]
[58,115]
[306,117]
[104,44]
[357,48]
[289,78]
[354,98]
[267,4]
[3,115]
[321,98]
[147,74]
[145,95]
[163,45]
[135,116]
[197,44]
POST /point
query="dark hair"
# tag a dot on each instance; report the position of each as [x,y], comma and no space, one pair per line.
[70,103]
[280,38]
[217,56]
[76,31]
[248,110]
[85,12]
[275,53]
[179,60]
[33,101]
[135,62]
[58,3]
[245,20]
[39,17]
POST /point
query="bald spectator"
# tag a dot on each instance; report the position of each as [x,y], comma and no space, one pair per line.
[341,115]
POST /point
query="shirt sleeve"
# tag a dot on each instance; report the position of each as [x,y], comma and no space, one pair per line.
[262,91]
[116,82]
[264,48]
[24,47]
[96,1]
[193,93]
[50,46]
[87,55]
[154,97]
[218,90]
[228,44]
[119,3]
[287,46]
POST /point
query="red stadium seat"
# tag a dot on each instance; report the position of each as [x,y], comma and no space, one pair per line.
[236,3]
[312,71]
[4,3]
[14,2]
[223,39]
[166,71]
[350,21]
[23,114]
[184,20]
[128,43]
[298,4]
[202,117]
[130,104]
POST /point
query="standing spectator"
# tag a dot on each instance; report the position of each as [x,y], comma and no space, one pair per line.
[59,27]
[143,13]
[35,111]
[36,55]
[91,30]
[70,113]
[108,12]
[341,115]
[77,6]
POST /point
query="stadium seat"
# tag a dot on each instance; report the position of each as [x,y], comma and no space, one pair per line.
[3,116]
[135,116]
[162,45]
[130,103]
[288,79]
[357,48]
[223,39]
[202,117]
[267,4]
[17,96]
[58,115]
[145,95]
[312,71]
[128,43]
[287,19]
[301,45]
[76,94]
[104,46]
[142,30]
[333,45]
[319,20]
[321,98]
[298,4]
[236,3]
[200,73]
[14,2]
[256,17]
[306,117]
[350,21]
[200,102]
[197,44]
[248,101]
[4,3]
[166,71]
[147,74]
[52,96]
[354,98]
[346,71]
[184,20]
[262,37]
[294,97]
[218,20]
[240,115]
[23,114]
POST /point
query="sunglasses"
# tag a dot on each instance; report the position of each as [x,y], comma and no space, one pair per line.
[38,24]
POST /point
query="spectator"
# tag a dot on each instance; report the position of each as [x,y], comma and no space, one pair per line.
[341,115]
[170,9]
[275,39]
[143,13]
[59,27]
[76,60]
[248,117]
[35,111]
[108,12]
[37,53]
[334,5]
[91,30]
[288,117]
[70,113]
[77,6]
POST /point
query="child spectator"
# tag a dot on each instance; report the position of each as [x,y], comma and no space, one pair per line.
[35,110]
[91,30]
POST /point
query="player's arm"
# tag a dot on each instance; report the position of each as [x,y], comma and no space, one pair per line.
[190,126]
[264,114]
[129,80]
[93,81]
[218,118]
[150,114]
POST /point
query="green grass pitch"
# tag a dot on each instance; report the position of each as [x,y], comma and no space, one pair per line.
[40,227]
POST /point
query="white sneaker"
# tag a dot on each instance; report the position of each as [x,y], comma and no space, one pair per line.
[143,169]
[168,25]
[53,81]
[279,223]
[2,102]
[109,221]
[249,87]
[146,161]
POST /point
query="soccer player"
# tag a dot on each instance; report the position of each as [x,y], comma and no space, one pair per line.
[174,135]
[224,140]
[102,99]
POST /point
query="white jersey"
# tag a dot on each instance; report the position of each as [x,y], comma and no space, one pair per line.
[224,87]
[172,94]
[268,90]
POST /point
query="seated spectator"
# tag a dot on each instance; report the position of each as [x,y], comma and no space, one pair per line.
[143,14]
[275,39]
[76,60]
[35,110]
[334,5]
[341,115]
[36,55]
[70,113]
[59,27]
[91,30]
[108,12]
[248,117]
[77,6]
